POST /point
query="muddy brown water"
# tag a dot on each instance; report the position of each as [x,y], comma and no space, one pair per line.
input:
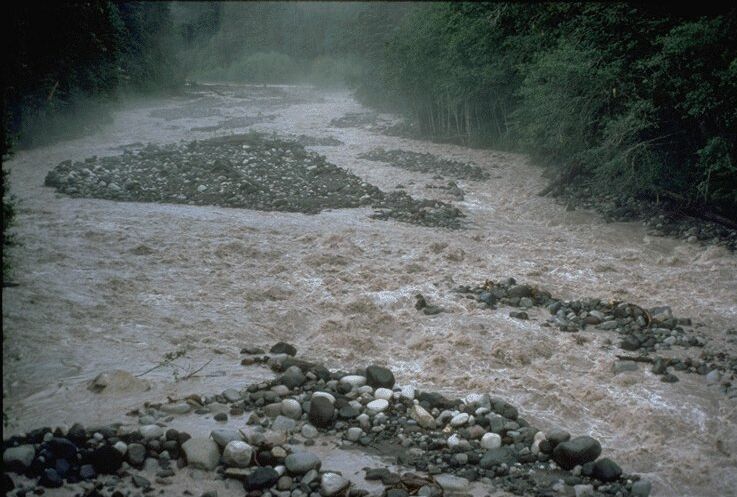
[109,285]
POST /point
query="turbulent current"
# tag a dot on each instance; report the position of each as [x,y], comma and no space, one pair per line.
[105,286]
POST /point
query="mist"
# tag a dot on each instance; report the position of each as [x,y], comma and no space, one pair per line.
[369,249]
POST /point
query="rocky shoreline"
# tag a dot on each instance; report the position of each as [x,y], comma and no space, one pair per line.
[662,219]
[252,171]
[446,443]
[426,163]
[646,333]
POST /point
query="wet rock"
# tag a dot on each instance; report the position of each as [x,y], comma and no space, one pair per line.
[283,348]
[308,431]
[452,484]
[261,478]
[353,434]
[300,463]
[332,484]
[136,454]
[284,424]
[382,474]
[577,451]
[176,408]
[291,408]
[495,457]
[151,432]
[423,418]
[223,436]
[630,343]
[383,393]
[293,378]
[623,366]
[377,405]
[491,441]
[459,419]
[606,470]
[520,291]
[379,377]
[237,454]
[556,437]
[355,381]
[641,488]
[201,453]
[87,472]
[50,479]
[140,482]
[396,492]
[321,412]
[583,490]
[18,459]
[62,448]
[713,377]
[106,459]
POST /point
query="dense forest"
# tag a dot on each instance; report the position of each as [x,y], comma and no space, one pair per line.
[623,97]
[627,97]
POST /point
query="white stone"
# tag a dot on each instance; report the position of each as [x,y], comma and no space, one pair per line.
[332,484]
[201,453]
[378,405]
[353,434]
[453,441]
[408,392]
[383,393]
[354,380]
[491,441]
[121,447]
[237,454]
[459,419]
[151,432]
[201,188]
[291,408]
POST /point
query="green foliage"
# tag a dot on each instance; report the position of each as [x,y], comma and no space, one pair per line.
[719,173]
[63,56]
[638,99]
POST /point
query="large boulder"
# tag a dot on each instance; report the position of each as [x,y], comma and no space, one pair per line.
[321,412]
[237,454]
[18,459]
[201,453]
[261,478]
[606,470]
[300,463]
[496,457]
[577,451]
[379,377]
